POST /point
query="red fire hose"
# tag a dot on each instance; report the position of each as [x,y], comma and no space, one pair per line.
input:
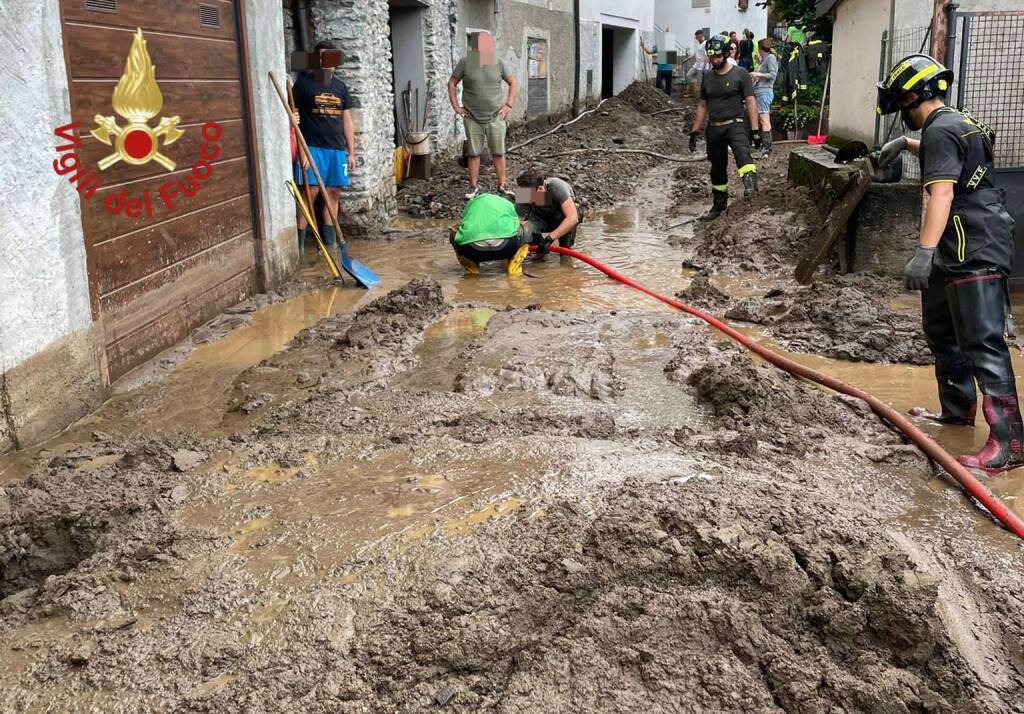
[954,468]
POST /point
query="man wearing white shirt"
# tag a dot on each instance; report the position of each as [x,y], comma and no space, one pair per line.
[700,59]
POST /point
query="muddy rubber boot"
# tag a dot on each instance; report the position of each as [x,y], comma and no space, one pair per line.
[515,263]
[766,144]
[750,183]
[472,267]
[1004,449]
[958,400]
[302,243]
[719,202]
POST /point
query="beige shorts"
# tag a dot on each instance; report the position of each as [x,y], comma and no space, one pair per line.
[493,132]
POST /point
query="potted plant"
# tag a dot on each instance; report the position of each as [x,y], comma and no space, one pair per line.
[796,120]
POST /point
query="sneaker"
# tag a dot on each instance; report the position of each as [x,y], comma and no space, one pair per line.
[474,192]
[506,191]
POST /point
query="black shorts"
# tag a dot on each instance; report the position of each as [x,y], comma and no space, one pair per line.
[503,250]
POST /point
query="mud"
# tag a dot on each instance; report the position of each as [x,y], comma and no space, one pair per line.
[599,178]
[856,317]
[496,494]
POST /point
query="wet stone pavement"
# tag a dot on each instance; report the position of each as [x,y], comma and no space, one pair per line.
[545,493]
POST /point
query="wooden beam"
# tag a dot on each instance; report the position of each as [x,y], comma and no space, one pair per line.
[835,225]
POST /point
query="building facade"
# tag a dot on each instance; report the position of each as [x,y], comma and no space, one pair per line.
[613,34]
[132,221]
[392,45]
[684,17]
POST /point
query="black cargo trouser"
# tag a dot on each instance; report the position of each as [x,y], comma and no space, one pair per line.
[720,139]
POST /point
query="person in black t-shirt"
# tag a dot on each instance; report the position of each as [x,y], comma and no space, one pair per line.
[726,95]
[964,254]
[323,102]
[746,51]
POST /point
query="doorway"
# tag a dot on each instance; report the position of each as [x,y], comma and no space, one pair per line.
[618,59]
[408,66]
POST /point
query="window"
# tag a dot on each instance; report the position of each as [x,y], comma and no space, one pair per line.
[701,3]
[537,58]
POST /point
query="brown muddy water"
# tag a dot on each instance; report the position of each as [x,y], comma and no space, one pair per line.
[330,509]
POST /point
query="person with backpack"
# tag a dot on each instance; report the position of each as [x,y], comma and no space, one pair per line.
[764,91]
[964,254]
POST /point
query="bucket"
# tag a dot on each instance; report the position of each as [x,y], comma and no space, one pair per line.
[418,142]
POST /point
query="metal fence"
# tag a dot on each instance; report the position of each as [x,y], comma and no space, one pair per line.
[901,43]
[988,58]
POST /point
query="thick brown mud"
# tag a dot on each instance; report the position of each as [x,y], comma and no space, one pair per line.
[484,493]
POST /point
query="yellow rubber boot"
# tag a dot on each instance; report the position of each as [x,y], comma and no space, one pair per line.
[515,263]
[471,267]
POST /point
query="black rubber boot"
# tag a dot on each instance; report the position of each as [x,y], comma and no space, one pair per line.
[719,202]
[978,306]
[302,240]
[766,144]
[957,396]
[1004,448]
[750,183]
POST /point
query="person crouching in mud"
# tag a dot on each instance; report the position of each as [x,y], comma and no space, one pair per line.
[490,230]
[548,206]
[964,254]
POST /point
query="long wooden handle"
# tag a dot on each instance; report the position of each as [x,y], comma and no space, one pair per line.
[305,150]
[305,175]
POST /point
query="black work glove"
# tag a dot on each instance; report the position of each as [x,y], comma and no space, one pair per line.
[542,241]
[891,151]
[915,275]
[693,141]
[755,139]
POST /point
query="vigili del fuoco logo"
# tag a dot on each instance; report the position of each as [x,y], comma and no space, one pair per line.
[137,99]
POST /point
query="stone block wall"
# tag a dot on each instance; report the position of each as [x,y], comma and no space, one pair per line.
[360,28]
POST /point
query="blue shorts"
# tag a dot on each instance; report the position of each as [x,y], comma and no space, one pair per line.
[764,101]
[332,165]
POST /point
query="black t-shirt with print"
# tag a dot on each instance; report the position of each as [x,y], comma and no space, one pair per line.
[725,93]
[320,111]
[956,150]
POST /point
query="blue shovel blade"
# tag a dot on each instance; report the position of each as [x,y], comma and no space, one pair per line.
[363,275]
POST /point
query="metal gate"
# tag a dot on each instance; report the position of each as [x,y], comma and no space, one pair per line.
[985,51]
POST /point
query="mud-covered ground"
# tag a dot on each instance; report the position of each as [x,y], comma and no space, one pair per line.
[530,502]
[747,549]
[600,177]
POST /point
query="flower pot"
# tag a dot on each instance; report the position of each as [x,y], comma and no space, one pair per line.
[796,134]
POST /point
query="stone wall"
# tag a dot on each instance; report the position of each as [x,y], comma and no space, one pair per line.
[360,28]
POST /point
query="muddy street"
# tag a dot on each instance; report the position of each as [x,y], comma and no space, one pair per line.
[535,493]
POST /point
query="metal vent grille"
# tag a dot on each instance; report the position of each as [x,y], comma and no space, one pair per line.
[209,16]
[101,5]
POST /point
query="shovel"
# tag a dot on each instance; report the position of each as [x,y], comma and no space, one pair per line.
[820,138]
[359,272]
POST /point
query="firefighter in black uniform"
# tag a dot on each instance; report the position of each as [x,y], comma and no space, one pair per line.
[726,94]
[964,254]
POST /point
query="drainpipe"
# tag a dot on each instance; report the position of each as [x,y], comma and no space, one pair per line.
[300,15]
[576,75]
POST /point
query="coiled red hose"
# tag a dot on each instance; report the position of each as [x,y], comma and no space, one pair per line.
[954,468]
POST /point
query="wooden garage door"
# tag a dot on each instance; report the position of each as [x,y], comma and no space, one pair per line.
[154,278]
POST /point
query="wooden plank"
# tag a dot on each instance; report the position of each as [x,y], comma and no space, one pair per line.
[194,101]
[230,179]
[100,53]
[835,224]
[177,323]
[136,255]
[156,16]
[183,152]
[130,308]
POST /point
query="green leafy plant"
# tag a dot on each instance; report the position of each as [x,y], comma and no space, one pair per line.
[797,118]
[802,12]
